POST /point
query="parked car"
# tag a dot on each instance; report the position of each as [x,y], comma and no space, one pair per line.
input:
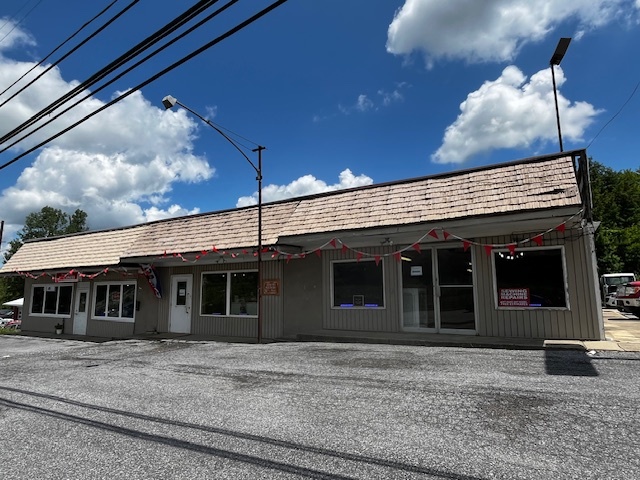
[14,325]
[6,313]
[609,282]
[628,297]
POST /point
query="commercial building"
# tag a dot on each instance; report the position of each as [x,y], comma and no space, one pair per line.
[500,251]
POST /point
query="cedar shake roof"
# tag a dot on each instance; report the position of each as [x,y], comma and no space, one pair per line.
[534,184]
[90,249]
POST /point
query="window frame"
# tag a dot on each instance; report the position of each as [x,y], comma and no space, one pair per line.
[57,286]
[565,282]
[363,307]
[108,284]
[228,294]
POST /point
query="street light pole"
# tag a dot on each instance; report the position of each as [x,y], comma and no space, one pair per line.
[556,58]
[170,102]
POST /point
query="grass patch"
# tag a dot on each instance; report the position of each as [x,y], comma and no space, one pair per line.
[9,331]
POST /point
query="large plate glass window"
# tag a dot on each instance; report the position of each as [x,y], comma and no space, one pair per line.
[530,278]
[51,300]
[114,301]
[358,284]
[229,293]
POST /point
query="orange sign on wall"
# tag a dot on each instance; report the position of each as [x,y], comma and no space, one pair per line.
[271,287]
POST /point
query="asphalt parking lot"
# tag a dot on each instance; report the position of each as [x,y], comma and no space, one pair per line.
[140,409]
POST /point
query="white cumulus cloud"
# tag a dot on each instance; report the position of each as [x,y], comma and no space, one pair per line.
[305,185]
[119,167]
[511,112]
[492,30]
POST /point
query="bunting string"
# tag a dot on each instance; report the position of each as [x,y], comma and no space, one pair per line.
[436,233]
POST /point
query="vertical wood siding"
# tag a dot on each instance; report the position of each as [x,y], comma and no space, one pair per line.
[580,321]
[239,327]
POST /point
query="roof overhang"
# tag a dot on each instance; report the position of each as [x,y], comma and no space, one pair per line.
[512,224]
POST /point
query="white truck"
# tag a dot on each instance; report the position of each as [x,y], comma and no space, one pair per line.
[609,283]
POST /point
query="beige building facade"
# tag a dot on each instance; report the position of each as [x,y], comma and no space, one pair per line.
[500,251]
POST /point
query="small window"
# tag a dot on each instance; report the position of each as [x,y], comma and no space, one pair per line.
[358,284]
[114,301]
[51,300]
[531,278]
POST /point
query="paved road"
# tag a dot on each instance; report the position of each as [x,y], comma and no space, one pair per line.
[205,410]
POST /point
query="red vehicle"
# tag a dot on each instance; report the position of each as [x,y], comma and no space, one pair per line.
[628,297]
[14,324]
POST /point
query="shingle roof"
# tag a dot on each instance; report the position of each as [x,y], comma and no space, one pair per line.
[546,182]
[91,249]
[502,189]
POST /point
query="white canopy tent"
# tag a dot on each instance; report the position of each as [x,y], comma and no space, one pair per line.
[15,303]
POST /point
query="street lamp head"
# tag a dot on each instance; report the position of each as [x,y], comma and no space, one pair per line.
[169,102]
[561,49]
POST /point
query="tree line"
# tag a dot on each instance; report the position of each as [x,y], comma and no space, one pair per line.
[48,222]
[616,204]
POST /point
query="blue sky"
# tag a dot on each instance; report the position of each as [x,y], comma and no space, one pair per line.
[341,93]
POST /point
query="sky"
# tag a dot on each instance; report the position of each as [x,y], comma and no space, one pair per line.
[341,93]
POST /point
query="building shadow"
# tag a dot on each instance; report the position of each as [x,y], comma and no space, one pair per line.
[569,363]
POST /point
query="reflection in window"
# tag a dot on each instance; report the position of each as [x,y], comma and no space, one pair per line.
[214,294]
[115,301]
[229,293]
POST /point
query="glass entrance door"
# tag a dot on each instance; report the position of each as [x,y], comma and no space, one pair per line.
[437,291]
[417,290]
[455,285]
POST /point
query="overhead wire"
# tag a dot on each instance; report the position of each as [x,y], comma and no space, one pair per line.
[120,75]
[616,114]
[86,24]
[153,78]
[16,24]
[131,53]
[236,135]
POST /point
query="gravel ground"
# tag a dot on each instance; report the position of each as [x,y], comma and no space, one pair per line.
[201,410]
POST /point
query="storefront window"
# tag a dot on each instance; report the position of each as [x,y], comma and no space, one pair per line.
[358,284]
[114,301]
[531,278]
[229,293]
[51,300]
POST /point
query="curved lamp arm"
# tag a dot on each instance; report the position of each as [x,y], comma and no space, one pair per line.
[170,102]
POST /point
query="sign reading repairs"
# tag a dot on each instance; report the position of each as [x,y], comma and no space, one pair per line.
[513,297]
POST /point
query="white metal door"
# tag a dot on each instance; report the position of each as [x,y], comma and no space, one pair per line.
[81,309]
[180,310]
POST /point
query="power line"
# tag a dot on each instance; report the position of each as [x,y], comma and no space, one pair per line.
[166,70]
[107,70]
[20,21]
[616,114]
[131,53]
[52,52]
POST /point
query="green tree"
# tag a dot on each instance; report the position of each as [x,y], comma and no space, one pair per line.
[616,204]
[48,222]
